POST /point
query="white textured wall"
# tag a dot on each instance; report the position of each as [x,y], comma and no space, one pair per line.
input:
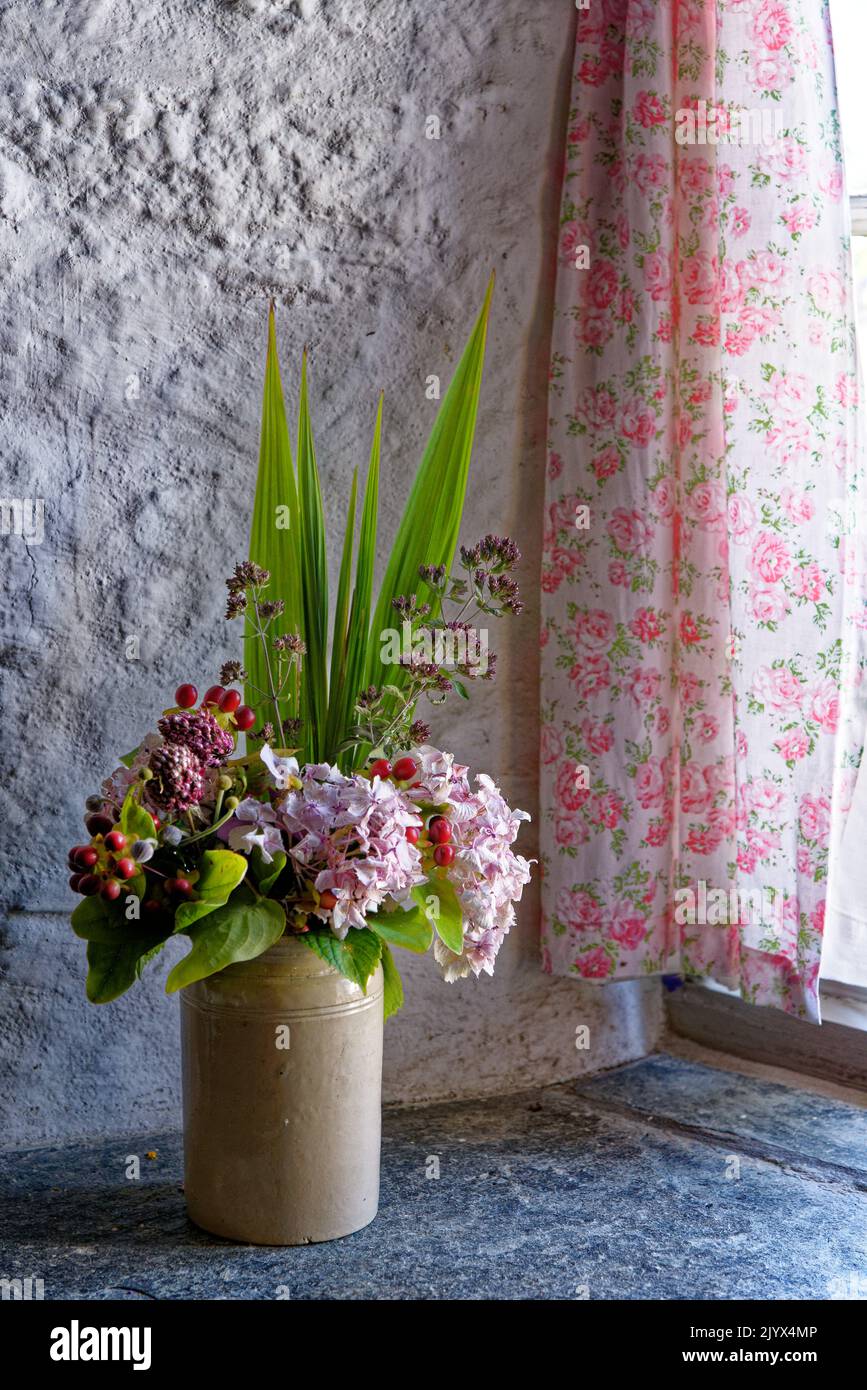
[165,166]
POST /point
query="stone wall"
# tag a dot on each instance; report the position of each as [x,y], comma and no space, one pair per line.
[165,167]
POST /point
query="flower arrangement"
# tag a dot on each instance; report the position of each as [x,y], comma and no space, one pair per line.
[340,823]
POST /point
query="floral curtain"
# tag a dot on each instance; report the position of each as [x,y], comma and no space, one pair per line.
[703,597]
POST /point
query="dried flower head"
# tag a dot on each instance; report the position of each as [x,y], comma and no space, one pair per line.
[409,606]
[232,672]
[271,608]
[495,553]
[504,591]
[434,575]
[247,575]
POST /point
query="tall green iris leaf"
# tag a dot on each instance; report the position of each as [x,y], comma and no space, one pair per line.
[275,531]
[288,539]
[343,698]
[341,616]
[428,532]
[314,583]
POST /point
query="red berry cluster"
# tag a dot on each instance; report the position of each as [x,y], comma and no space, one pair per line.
[404,770]
[226,701]
[438,830]
[101,866]
[439,834]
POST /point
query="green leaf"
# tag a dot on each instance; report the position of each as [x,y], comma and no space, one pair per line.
[145,960]
[273,544]
[356,957]
[240,930]
[428,532]
[341,715]
[410,929]
[445,913]
[314,583]
[134,819]
[129,758]
[341,616]
[115,965]
[295,554]
[392,993]
[221,872]
[93,919]
[266,875]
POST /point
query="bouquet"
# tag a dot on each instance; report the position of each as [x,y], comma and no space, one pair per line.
[340,823]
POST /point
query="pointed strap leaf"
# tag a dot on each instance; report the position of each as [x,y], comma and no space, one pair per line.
[343,699]
[314,577]
[341,619]
[274,531]
[428,531]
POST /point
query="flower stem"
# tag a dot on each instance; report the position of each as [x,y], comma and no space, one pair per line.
[275,702]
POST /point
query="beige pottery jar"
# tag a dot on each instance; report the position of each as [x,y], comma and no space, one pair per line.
[282,1073]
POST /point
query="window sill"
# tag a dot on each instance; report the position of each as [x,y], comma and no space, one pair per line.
[837,1051]
[843,1004]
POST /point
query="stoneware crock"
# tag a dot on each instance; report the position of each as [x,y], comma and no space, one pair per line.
[282,1082]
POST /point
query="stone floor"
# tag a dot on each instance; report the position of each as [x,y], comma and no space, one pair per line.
[623,1186]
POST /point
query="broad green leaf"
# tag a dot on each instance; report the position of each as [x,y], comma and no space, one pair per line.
[221,872]
[410,929]
[314,583]
[445,911]
[392,992]
[134,819]
[240,930]
[129,758]
[274,544]
[356,957]
[149,956]
[93,919]
[114,966]
[428,532]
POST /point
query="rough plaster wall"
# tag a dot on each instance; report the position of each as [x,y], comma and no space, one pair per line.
[165,166]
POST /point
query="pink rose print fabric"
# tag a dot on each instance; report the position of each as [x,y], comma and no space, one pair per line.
[703,584]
